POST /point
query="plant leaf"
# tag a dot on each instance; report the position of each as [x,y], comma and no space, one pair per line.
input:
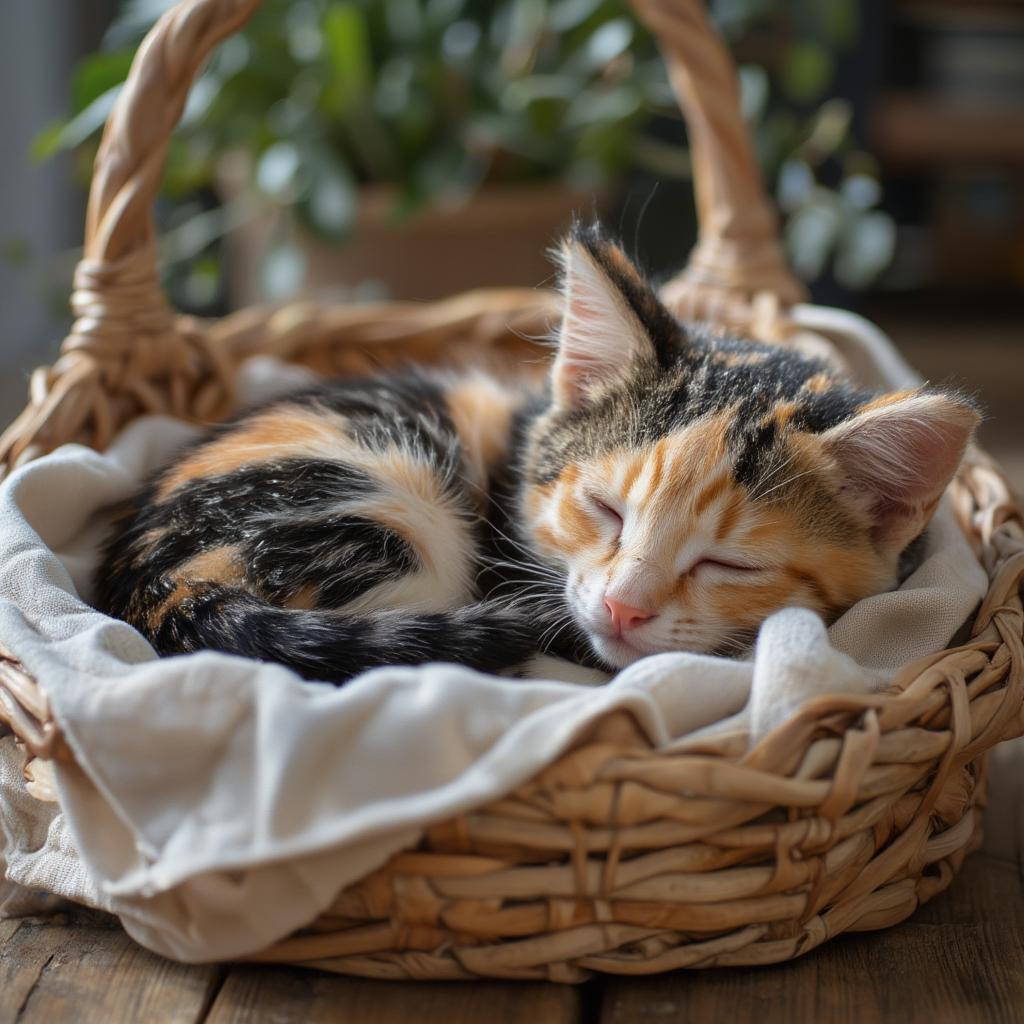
[566,15]
[812,233]
[283,271]
[277,171]
[72,133]
[807,72]
[609,41]
[329,204]
[98,74]
[865,249]
[348,49]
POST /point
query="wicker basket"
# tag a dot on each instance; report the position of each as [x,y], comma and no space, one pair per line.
[617,857]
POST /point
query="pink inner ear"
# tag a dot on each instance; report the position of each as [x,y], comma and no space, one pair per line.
[581,366]
[600,335]
[899,458]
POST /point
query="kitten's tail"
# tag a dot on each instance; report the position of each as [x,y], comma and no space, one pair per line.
[333,646]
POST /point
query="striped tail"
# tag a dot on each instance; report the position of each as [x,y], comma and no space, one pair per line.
[333,646]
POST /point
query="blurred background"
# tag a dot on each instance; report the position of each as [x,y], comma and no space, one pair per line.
[411,148]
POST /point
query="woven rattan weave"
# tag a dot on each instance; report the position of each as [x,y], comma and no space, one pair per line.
[617,857]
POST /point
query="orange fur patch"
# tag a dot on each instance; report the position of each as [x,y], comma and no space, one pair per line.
[575,527]
[219,565]
[811,581]
[748,602]
[711,493]
[622,263]
[285,432]
[681,588]
[783,413]
[883,401]
[415,506]
[684,462]
[738,358]
[545,537]
[656,466]
[482,411]
[629,477]
[305,598]
[819,384]
[731,515]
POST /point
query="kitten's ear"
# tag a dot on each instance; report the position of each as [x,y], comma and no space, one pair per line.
[601,335]
[896,458]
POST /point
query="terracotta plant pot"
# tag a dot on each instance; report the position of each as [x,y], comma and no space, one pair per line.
[501,236]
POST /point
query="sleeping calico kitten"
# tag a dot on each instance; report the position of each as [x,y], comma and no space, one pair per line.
[667,490]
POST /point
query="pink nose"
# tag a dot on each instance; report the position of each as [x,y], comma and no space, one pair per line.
[623,617]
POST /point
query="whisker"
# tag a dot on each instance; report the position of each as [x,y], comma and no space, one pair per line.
[538,570]
[548,639]
[786,482]
[775,470]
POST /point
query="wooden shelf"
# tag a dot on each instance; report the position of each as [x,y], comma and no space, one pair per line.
[912,130]
[971,8]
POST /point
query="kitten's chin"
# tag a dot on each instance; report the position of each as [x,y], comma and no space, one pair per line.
[614,652]
[617,653]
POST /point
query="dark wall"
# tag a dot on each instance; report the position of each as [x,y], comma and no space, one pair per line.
[41,213]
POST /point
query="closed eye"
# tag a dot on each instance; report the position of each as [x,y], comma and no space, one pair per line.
[610,514]
[725,566]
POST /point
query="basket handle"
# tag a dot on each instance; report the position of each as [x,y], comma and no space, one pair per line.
[130,159]
[737,256]
[117,289]
[737,273]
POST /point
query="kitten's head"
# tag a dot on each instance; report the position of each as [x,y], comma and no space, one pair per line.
[689,486]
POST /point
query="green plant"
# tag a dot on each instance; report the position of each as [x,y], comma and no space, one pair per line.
[437,97]
[431,97]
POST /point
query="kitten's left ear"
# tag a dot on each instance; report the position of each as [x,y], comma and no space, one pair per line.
[601,336]
[896,458]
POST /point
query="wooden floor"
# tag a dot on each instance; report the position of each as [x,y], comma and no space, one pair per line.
[958,960]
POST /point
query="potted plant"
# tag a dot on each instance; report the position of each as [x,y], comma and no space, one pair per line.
[420,147]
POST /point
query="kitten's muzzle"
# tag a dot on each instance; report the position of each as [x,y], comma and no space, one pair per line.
[625,617]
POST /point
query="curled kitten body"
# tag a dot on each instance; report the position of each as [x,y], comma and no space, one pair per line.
[668,489]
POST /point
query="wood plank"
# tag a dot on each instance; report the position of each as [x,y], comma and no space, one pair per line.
[87,970]
[914,130]
[958,960]
[262,994]
[20,967]
[7,929]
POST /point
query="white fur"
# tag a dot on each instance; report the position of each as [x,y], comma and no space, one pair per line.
[413,504]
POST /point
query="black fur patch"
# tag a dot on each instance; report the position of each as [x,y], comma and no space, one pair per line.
[326,646]
[286,521]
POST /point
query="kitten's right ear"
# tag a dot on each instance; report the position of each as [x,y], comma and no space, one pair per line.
[898,455]
[601,336]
